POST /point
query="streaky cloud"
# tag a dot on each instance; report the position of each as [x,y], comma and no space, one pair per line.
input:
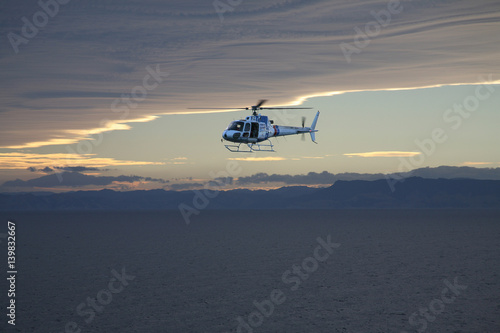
[327,178]
[258,159]
[76,179]
[23,161]
[287,50]
[385,154]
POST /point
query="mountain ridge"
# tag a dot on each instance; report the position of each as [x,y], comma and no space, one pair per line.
[413,192]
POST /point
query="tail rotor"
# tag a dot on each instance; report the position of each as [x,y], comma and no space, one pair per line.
[302,137]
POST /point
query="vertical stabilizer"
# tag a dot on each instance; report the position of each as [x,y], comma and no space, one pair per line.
[313,128]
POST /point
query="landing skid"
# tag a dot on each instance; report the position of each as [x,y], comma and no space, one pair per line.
[250,147]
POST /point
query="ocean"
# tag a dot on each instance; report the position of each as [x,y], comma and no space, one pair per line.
[254,271]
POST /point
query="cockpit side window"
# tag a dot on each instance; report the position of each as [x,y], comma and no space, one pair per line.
[236,126]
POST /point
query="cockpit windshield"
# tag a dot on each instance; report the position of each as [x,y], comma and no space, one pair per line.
[236,126]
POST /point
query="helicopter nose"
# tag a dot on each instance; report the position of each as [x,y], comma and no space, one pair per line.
[231,135]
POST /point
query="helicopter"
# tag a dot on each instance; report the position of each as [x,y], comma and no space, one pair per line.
[252,134]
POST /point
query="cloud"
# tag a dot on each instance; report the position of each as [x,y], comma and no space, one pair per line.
[75,179]
[327,178]
[385,154]
[220,182]
[309,179]
[257,159]
[177,161]
[67,168]
[79,168]
[478,163]
[215,184]
[283,49]
[74,136]
[25,161]
[456,172]
[46,169]
[184,186]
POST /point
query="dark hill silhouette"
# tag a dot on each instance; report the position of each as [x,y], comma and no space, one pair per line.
[413,192]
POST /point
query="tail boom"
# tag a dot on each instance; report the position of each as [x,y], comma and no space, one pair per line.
[290,130]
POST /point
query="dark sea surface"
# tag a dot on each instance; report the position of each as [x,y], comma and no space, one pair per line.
[391,271]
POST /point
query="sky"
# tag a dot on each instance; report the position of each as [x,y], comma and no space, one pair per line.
[104,88]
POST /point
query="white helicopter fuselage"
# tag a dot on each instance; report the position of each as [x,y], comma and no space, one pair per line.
[258,128]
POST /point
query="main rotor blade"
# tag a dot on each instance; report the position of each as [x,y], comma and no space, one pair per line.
[260,108]
[284,108]
[262,101]
[218,108]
